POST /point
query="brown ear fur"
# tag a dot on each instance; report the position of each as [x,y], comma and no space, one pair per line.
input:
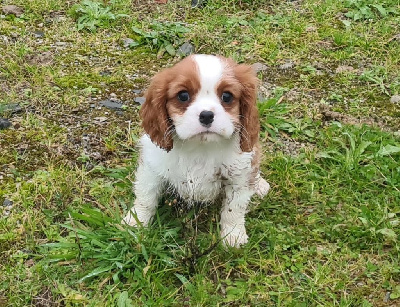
[155,120]
[248,107]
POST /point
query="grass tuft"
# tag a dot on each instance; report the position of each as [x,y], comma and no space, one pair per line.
[327,234]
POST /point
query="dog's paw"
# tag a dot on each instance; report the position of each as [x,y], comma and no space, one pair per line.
[130,220]
[262,187]
[234,236]
[137,217]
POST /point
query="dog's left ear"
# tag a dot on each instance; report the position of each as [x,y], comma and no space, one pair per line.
[248,107]
[155,119]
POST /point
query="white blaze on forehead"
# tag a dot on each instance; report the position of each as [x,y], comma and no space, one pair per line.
[210,71]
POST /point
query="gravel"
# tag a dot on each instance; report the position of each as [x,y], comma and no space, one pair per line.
[395,99]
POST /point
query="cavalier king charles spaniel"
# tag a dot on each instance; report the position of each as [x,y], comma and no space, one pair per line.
[202,127]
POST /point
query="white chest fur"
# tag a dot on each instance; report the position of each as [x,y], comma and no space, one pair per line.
[198,171]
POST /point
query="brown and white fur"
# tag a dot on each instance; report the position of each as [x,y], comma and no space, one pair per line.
[202,129]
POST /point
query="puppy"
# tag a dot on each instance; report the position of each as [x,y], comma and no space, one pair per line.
[202,129]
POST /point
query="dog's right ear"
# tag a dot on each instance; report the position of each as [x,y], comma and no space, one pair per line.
[248,107]
[155,119]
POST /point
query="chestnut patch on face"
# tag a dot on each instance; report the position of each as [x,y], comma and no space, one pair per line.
[229,87]
[183,87]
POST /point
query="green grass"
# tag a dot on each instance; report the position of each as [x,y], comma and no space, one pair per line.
[326,235]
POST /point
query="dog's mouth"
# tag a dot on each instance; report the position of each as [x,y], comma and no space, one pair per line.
[208,136]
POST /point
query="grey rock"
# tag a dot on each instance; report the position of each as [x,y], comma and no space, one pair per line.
[5,39]
[260,97]
[12,10]
[126,42]
[186,49]
[89,166]
[7,203]
[4,123]
[140,100]
[101,119]
[395,99]
[344,68]
[11,108]
[287,65]
[110,104]
[105,73]
[137,91]
[259,67]
[387,297]
[95,155]
[38,34]
[198,3]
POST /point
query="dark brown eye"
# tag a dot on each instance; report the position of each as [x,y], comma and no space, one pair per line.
[227,97]
[183,96]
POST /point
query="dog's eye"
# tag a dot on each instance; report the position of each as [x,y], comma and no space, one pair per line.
[183,96]
[227,97]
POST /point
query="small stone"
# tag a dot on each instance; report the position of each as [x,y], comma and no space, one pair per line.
[92,105]
[344,68]
[387,297]
[137,91]
[112,104]
[101,119]
[95,155]
[127,42]
[13,10]
[4,123]
[12,107]
[186,49]
[105,73]
[38,34]
[140,100]
[7,203]
[287,65]
[5,39]
[395,99]
[89,166]
[259,67]
[198,3]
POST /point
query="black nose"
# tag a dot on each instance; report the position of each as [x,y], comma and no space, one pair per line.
[206,118]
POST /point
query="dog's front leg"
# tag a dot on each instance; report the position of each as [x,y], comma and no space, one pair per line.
[233,212]
[147,189]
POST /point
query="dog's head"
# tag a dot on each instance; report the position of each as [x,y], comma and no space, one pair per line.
[205,97]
